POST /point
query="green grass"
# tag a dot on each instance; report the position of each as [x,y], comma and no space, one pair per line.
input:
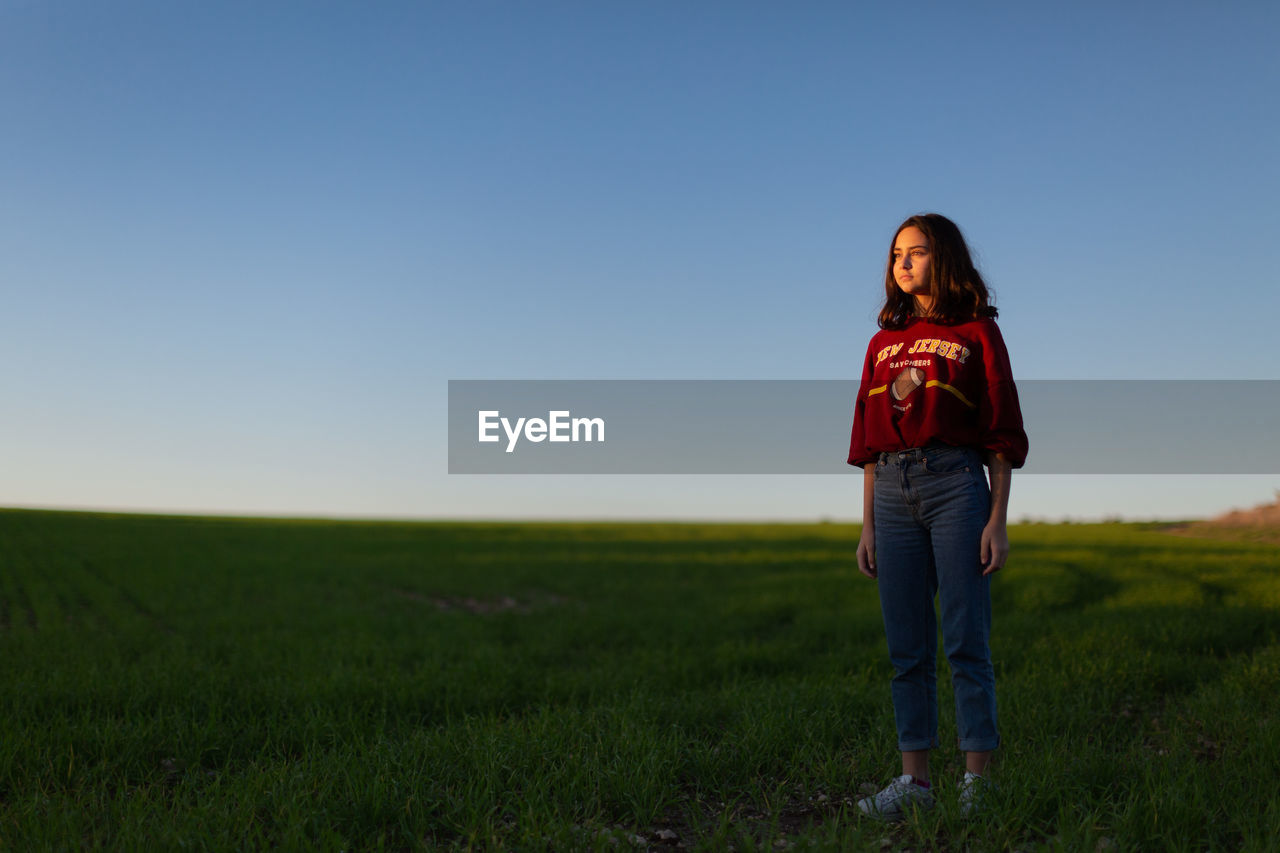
[205,683]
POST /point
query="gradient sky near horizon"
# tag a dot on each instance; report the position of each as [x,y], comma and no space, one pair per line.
[243,246]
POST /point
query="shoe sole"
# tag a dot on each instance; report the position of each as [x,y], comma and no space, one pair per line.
[895,817]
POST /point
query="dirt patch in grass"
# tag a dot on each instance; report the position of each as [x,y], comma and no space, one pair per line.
[1159,739]
[697,820]
[790,818]
[483,606]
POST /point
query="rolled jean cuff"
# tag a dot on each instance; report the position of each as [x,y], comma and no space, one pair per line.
[978,744]
[917,745]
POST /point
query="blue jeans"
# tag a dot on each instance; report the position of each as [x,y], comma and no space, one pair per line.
[931,506]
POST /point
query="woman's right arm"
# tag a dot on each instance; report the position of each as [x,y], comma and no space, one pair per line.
[857,454]
[867,542]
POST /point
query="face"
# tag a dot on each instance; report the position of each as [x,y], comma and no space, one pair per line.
[911,265]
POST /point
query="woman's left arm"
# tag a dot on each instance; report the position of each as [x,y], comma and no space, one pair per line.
[995,536]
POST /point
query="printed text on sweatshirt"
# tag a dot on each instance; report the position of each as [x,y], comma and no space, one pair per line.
[930,383]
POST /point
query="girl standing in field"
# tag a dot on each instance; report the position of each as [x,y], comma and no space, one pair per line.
[937,401]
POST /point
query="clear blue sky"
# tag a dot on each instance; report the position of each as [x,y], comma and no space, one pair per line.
[243,246]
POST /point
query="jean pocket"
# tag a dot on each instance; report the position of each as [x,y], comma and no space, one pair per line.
[950,460]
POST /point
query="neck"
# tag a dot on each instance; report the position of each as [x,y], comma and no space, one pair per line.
[923,305]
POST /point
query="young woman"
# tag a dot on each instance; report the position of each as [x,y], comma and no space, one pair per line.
[937,401]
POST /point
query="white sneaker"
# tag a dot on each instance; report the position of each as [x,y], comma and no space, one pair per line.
[973,790]
[893,802]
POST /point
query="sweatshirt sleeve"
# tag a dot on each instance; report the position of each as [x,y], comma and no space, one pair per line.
[1000,414]
[858,454]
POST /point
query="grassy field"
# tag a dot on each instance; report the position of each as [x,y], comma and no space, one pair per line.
[204,683]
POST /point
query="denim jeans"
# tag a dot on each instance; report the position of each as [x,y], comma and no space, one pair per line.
[931,505]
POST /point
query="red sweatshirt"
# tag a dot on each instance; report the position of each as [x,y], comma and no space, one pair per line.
[935,384]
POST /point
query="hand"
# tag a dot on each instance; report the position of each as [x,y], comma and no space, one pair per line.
[995,547]
[867,552]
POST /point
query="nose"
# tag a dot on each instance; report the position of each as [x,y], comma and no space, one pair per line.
[906,261]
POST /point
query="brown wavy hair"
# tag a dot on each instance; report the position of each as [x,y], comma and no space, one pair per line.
[959,293]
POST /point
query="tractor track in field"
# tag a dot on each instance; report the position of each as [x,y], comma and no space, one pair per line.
[129,598]
[28,610]
[77,606]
